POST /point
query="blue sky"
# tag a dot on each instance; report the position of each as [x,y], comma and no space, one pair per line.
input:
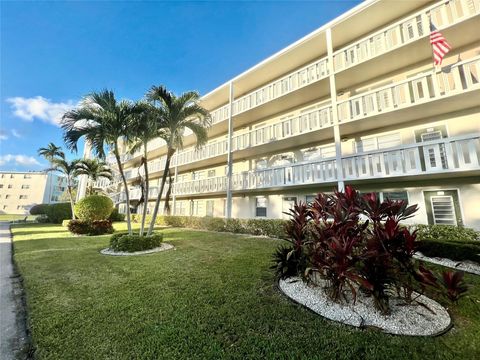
[53,53]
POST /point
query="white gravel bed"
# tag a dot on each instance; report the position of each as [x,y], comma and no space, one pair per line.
[162,247]
[467,266]
[404,319]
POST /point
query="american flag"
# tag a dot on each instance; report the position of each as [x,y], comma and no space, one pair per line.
[439,45]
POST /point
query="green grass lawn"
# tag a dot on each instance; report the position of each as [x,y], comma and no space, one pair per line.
[15,217]
[211,298]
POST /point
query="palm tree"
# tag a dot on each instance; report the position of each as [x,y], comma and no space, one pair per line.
[51,152]
[69,169]
[175,114]
[143,129]
[94,170]
[103,121]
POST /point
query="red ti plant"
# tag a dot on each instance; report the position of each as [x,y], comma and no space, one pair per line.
[454,285]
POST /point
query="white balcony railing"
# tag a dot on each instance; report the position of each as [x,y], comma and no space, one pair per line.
[446,155]
[404,31]
[296,80]
[458,78]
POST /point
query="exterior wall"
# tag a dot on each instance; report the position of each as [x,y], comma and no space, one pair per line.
[19,191]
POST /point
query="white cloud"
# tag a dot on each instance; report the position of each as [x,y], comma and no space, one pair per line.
[22,160]
[16,133]
[3,135]
[39,108]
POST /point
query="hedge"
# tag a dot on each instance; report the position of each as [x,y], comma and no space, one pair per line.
[135,242]
[448,241]
[448,233]
[116,216]
[95,227]
[263,227]
[56,213]
[450,250]
[39,209]
[94,207]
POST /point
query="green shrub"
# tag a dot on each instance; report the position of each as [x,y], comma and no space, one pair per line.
[94,207]
[452,250]
[448,233]
[160,220]
[212,223]
[56,213]
[66,222]
[234,226]
[175,221]
[116,216]
[39,209]
[135,242]
[95,227]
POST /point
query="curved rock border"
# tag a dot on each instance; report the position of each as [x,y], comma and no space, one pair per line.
[467,266]
[412,320]
[162,247]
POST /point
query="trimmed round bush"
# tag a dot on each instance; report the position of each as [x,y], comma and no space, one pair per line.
[94,207]
[95,227]
[56,213]
[39,209]
[135,242]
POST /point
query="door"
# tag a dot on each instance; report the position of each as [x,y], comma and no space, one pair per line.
[434,155]
[443,207]
[288,203]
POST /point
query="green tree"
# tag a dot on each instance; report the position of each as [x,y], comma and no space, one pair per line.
[143,128]
[51,152]
[69,169]
[94,170]
[174,114]
[103,121]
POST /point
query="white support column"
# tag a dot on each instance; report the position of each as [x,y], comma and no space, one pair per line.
[333,99]
[83,179]
[174,197]
[229,154]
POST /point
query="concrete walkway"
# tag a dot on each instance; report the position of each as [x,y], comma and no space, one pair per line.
[11,339]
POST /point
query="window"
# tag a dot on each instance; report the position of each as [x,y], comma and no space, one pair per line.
[396,195]
[1,186]
[197,208]
[211,173]
[210,205]
[4,207]
[10,186]
[261,206]
[309,199]
[443,210]
[22,196]
[7,196]
[378,142]
[25,186]
[12,176]
[19,207]
[27,176]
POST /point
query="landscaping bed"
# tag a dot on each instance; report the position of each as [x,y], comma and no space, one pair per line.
[214,297]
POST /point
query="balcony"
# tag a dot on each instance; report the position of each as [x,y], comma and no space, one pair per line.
[459,155]
[405,31]
[435,90]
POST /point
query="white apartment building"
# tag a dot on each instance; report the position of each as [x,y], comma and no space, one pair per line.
[20,190]
[358,101]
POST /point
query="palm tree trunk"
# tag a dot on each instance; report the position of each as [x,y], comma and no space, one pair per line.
[160,191]
[166,208]
[125,185]
[72,204]
[145,200]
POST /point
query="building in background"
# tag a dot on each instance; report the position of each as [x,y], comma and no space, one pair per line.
[357,101]
[20,190]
